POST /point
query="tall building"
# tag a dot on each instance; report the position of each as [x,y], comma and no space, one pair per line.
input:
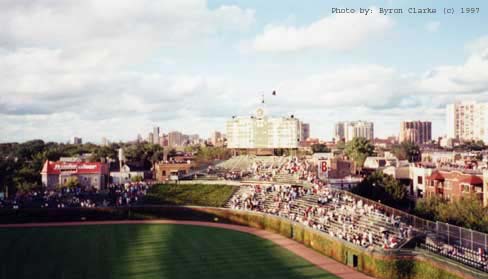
[354,129]
[418,132]
[194,139]
[467,121]
[104,142]
[175,138]
[155,135]
[76,140]
[339,131]
[150,137]
[216,138]
[304,131]
[262,131]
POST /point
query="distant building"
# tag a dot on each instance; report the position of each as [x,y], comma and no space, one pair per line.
[175,138]
[76,140]
[155,135]
[262,131]
[467,121]
[216,138]
[418,132]
[194,139]
[354,129]
[150,137]
[89,175]
[304,131]
[339,132]
[385,143]
[104,142]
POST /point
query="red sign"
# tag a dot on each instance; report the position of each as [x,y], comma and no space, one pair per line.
[324,166]
[75,168]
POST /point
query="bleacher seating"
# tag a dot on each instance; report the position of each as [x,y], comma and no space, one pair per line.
[335,213]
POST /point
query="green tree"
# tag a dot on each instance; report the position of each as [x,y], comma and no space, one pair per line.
[407,151]
[383,187]
[8,167]
[466,212]
[358,149]
[428,207]
[474,145]
[72,182]
[136,178]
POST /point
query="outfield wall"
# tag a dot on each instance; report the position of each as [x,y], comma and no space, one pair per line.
[379,263]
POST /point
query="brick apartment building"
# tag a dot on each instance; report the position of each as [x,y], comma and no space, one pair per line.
[454,184]
[164,171]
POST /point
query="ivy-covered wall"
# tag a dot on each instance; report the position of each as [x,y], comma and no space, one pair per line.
[377,264]
[369,262]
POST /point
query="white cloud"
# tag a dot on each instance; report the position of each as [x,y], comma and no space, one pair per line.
[68,69]
[336,32]
[432,26]
[468,78]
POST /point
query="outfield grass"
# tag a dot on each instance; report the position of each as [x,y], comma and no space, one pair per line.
[145,251]
[190,194]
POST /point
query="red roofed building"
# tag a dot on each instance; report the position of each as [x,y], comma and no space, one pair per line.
[89,175]
[454,184]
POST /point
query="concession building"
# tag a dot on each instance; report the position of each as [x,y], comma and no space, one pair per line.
[89,174]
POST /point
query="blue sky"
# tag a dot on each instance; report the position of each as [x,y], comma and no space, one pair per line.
[116,68]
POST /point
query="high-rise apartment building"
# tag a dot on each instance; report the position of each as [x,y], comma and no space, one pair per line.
[354,129]
[418,132]
[467,121]
[304,131]
[175,138]
[216,138]
[339,131]
[155,135]
[76,140]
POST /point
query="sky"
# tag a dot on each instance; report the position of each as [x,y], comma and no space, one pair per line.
[116,68]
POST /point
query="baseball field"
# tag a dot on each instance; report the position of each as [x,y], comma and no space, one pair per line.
[145,251]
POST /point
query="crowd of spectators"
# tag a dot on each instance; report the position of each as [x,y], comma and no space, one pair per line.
[338,214]
[113,195]
[272,168]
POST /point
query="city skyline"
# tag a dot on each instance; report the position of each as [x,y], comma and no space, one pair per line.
[66,76]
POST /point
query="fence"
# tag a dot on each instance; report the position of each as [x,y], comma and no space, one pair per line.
[467,238]
[450,234]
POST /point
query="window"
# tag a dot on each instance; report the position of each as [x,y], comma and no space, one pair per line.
[465,187]
[164,173]
[448,184]
[419,180]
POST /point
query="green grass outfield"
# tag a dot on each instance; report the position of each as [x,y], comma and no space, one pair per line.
[145,251]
